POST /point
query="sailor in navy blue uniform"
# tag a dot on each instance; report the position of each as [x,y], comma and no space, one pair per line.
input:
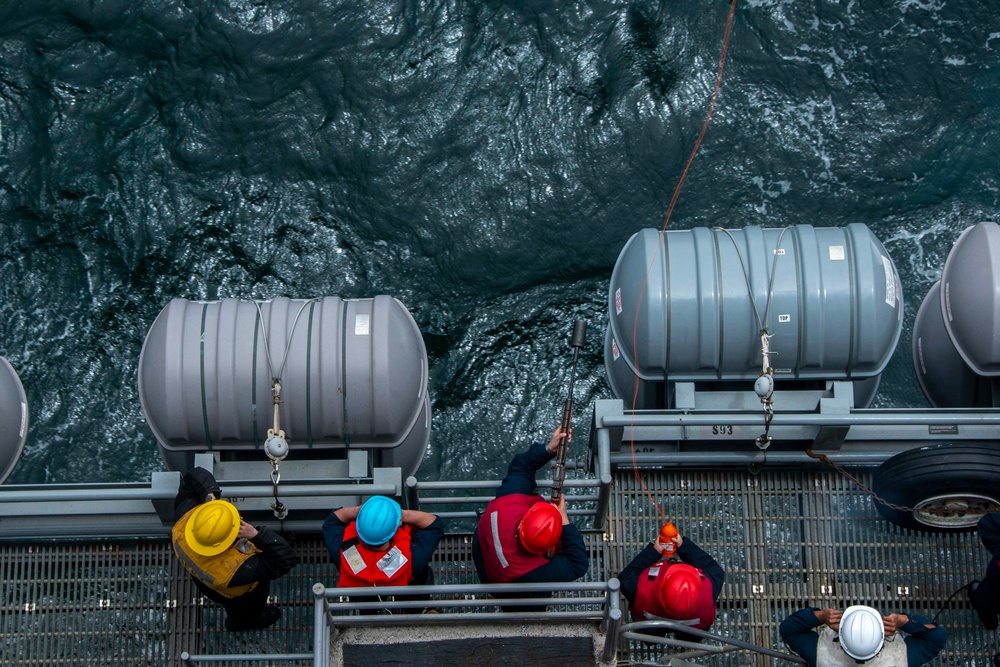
[877,645]
[985,594]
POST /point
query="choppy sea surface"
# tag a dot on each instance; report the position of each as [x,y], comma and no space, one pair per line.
[483,162]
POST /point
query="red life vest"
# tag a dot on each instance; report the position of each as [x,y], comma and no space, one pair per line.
[503,557]
[360,566]
[647,598]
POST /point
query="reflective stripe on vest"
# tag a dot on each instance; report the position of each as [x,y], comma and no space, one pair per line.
[213,571]
[829,652]
[503,557]
[368,571]
[647,598]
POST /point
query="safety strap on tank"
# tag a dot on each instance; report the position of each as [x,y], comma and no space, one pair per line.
[204,401]
[309,333]
[343,377]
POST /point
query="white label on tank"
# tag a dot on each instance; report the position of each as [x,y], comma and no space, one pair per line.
[618,301]
[784,318]
[614,349]
[837,253]
[362,324]
[24,419]
[779,251]
[890,282]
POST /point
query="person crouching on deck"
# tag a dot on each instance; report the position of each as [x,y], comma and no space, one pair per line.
[861,635]
[380,544]
[519,529]
[659,587]
[231,562]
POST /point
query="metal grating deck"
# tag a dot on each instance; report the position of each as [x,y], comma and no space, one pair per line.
[785,539]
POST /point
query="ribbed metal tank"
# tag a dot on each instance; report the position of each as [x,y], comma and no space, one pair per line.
[14,417]
[688,306]
[970,297]
[944,378]
[353,375]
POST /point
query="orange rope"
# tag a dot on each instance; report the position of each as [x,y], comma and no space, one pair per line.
[666,221]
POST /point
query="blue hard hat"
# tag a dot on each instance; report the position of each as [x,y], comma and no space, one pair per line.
[378,520]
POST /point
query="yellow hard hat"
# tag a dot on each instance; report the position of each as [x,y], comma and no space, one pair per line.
[212,527]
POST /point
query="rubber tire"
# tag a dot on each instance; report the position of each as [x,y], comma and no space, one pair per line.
[948,468]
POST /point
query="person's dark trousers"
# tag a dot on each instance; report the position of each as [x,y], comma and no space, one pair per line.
[243,612]
[986,596]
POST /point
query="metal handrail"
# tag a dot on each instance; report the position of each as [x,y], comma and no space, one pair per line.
[466,595]
[601,465]
[628,631]
[189,660]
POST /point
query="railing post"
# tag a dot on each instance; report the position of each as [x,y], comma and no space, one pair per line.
[186,659]
[321,628]
[604,476]
[612,620]
[412,496]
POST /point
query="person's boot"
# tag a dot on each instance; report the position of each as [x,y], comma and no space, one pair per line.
[989,619]
[267,618]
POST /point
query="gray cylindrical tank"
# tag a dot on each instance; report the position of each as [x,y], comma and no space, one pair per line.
[944,377]
[13,416]
[353,374]
[829,297]
[970,297]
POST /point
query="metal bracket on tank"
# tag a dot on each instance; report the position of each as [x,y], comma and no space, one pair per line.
[276,448]
[764,388]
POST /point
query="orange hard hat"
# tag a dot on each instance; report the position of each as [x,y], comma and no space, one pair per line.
[680,589]
[540,528]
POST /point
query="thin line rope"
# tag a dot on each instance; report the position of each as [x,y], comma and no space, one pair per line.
[288,345]
[666,221]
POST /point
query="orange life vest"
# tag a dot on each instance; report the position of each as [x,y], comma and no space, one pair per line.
[361,566]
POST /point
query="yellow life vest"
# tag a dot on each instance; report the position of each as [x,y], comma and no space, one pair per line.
[214,571]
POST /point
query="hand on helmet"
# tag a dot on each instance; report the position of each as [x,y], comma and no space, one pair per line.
[246,530]
[829,617]
[894,622]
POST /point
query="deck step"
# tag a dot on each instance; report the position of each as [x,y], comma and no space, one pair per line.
[485,645]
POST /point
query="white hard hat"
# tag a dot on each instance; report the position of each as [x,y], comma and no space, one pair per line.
[861,632]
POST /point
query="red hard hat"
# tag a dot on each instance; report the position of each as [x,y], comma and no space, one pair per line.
[680,588]
[541,528]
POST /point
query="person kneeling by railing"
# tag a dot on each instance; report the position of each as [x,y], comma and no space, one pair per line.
[380,544]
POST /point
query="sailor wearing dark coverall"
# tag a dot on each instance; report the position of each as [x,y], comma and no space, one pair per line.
[380,544]
[985,595]
[505,553]
[231,562]
[687,592]
[877,645]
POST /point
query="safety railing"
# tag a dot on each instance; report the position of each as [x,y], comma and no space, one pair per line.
[191,660]
[466,604]
[633,631]
[594,490]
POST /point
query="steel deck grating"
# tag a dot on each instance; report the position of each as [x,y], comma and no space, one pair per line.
[789,540]
[786,540]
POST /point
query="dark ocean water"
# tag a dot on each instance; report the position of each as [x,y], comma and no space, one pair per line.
[484,162]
